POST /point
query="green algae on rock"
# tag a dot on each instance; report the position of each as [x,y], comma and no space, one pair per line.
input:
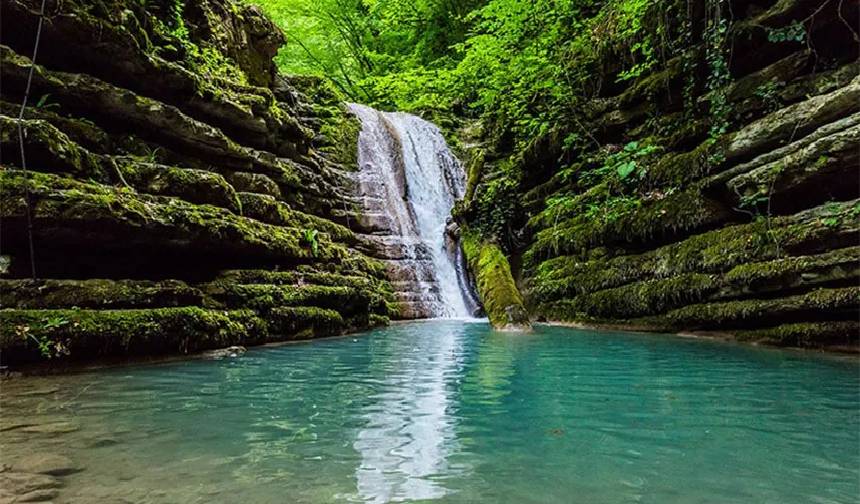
[496,288]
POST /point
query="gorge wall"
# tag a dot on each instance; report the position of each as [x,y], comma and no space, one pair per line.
[716,193]
[183,195]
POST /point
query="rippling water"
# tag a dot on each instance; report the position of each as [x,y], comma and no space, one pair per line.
[453,412]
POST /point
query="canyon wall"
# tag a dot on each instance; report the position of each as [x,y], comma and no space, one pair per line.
[716,193]
[182,194]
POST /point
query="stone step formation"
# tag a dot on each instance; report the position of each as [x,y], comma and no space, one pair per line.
[182,192]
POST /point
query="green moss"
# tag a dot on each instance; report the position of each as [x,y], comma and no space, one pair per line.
[753,312]
[645,88]
[263,297]
[678,170]
[81,131]
[253,183]
[716,251]
[677,214]
[304,322]
[637,299]
[300,276]
[193,186]
[96,293]
[474,171]
[340,130]
[87,334]
[496,288]
[806,334]
[792,271]
[73,206]
[49,150]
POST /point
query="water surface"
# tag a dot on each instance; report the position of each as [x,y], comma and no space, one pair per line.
[453,412]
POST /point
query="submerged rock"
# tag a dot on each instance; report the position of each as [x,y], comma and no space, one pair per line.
[27,487]
[46,463]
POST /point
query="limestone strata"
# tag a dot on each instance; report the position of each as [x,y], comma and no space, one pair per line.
[181,191]
[742,216]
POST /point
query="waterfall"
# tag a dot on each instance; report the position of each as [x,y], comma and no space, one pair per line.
[407,183]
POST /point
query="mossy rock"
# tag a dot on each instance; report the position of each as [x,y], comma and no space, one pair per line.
[635,300]
[378,291]
[790,273]
[193,186]
[816,230]
[837,334]
[97,293]
[47,149]
[253,183]
[81,131]
[303,322]
[345,300]
[496,288]
[89,334]
[747,313]
[674,216]
[66,209]
[338,137]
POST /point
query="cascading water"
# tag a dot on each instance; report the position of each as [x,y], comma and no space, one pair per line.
[407,184]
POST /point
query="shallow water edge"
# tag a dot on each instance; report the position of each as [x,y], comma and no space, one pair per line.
[71,367]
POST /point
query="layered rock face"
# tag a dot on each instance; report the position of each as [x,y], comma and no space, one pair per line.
[181,192]
[739,212]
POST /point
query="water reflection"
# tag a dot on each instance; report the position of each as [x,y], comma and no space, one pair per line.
[409,434]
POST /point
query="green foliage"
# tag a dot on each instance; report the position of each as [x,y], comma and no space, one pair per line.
[626,161]
[795,32]
[310,239]
[498,203]
[207,61]
[42,335]
[529,69]
[718,76]
[768,93]
[44,103]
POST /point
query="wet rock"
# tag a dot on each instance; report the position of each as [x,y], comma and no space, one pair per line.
[103,442]
[38,392]
[17,485]
[46,463]
[95,293]
[223,353]
[9,426]
[795,120]
[52,428]
[38,496]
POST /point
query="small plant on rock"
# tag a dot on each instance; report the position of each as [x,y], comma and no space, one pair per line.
[310,239]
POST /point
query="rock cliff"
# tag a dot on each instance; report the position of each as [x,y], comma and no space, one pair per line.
[715,194]
[181,191]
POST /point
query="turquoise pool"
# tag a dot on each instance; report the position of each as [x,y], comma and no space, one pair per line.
[450,411]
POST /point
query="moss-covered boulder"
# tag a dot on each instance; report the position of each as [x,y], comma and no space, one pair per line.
[496,288]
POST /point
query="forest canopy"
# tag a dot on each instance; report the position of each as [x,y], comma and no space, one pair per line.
[522,63]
